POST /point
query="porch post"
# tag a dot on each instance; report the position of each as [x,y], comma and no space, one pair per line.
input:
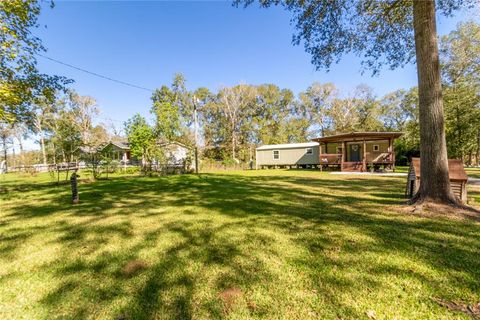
[344,152]
[364,156]
[320,155]
[393,154]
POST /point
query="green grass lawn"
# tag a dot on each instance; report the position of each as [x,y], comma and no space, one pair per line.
[271,244]
[473,172]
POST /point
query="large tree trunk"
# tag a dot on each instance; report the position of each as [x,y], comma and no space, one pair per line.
[435,184]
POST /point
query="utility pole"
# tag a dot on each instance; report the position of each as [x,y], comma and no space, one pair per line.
[195,121]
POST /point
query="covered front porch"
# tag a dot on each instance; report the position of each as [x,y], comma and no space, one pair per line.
[358,151]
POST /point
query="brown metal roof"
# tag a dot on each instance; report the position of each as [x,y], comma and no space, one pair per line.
[456,171]
[356,136]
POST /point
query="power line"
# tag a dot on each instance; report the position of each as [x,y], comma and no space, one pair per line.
[95,74]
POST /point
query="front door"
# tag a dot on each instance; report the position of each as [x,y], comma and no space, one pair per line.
[354,153]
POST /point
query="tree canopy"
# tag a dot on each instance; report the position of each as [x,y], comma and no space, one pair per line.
[380,32]
[20,81]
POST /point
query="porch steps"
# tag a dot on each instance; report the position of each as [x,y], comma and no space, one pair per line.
[352,166]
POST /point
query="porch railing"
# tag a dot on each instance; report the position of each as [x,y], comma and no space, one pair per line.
[330,158]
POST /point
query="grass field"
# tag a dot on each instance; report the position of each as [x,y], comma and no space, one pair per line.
[272,244]
[473,172]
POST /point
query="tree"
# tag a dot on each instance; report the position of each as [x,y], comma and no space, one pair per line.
[83,110]
[272,117]
[67,125]
[368,109]
[66,135]
[460,59]
[386,32]
[19,132]
[6,139]
[359,111]
[238,118]
[344,115]
[400,113]
[460,54]
[235,104]
[20,81]
[142,140]
[167,114]
[394,113]
[462,120]
[317,103]
[43,114]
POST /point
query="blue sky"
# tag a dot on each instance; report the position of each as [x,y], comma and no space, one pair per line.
[212,43]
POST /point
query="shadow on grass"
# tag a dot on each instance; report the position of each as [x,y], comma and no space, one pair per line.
[219,231]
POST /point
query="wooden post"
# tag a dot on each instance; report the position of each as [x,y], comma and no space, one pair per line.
[393,157]
[390,149]
[73,182]
[320,155]
[364,164]
[344,151]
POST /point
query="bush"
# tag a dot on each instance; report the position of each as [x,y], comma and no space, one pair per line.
[132,170]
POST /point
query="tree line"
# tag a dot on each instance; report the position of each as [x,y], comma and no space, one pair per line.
[232,121]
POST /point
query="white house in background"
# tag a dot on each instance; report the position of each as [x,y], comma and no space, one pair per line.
[292,154]
[120,151]
[176,153]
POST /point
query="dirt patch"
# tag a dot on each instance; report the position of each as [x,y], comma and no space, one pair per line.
[471,310]
[230,298]
[252,306]
[432,210]
[87,180]
[134,267]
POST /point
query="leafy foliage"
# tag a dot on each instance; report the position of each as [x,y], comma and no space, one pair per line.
[460,53]
[142,140]
[381,32]
[20,81]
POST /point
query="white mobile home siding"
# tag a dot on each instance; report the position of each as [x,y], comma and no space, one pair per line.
[288,156]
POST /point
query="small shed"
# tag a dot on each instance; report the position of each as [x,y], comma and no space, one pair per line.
[456,172]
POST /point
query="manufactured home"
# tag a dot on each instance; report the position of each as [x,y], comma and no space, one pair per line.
[287,155]
[358,151]
[355,151]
